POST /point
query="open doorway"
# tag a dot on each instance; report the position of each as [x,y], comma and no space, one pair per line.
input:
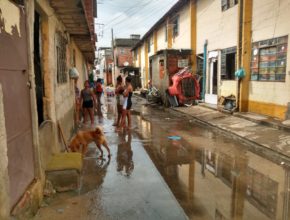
[150,70]
[212,81]
[39,83]
[214,77]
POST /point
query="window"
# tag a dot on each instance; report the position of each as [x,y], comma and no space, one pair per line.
[199,64]
[226,4]
[74,58]
[135,55]
[228,63]
[19,2]
[122,51]
[61,58]
[262,192]
[175,24]
[269,60]
[165,29]
[149,45]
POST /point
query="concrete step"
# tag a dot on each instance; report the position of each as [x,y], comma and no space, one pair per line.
[64,170]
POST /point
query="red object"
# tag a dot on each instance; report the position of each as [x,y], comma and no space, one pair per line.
[176,88]
[99,87]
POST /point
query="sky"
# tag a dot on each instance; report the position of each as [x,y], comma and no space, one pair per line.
[128,17]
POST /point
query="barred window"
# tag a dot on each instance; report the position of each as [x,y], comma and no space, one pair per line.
[226,4]
[176,26]
[62,74]
[228,63]
[269,60]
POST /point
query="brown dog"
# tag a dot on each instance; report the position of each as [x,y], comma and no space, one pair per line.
[83,138]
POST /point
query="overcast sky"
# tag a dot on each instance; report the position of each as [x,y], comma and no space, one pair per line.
[128,17]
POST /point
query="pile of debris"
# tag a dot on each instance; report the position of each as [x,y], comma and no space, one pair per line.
[227,103]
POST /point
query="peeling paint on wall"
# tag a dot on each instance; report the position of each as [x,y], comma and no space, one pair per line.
[9,18]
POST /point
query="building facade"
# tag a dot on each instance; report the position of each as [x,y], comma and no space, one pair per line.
[170,36]
[40,42]
[105,63]
[122,55]
[228,36]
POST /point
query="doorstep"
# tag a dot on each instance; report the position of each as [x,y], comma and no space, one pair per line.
[64,170]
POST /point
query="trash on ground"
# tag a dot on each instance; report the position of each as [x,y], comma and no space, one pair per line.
[60,210]
[176,138]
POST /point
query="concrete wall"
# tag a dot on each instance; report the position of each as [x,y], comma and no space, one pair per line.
[182,40]
[220,29]
[143,67]
[161,43]
[4,179]
[80,64]
[59,97]
[270,20]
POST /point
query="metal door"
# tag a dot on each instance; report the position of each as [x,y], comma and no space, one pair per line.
[15,84]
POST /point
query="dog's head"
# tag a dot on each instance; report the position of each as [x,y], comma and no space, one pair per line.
[98,131]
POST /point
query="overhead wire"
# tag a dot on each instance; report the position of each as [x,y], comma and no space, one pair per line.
[144,19]
[148,15]
[132,8]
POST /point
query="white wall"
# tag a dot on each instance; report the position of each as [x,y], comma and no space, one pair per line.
[161,43]
[142,67]
[182,40]
[271,19]
[219,28]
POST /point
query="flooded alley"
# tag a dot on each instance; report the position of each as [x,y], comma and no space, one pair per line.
[168,167]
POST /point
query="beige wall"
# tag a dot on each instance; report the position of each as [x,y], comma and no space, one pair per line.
[59,97]
[80,64]
[142,67]
[182,40]
[161,43]
[270,20]
[4,179]
[220,29]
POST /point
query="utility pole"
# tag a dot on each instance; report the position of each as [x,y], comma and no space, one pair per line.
[113,55]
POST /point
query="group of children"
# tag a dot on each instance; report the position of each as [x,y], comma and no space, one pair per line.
[89,99]
[124,102]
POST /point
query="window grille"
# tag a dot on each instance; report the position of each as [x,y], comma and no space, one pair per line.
[226,4]
[269,59]
[62,74]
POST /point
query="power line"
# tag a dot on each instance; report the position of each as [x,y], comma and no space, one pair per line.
[131,8]
[152,10]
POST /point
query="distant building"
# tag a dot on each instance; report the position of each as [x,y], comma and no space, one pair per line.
[123,58]
[105,63]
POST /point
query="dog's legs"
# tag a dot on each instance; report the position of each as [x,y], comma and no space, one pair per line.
[107,147]
[99,147]
[84,149]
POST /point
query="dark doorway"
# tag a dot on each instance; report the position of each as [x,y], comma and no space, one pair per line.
[215,81]
[39,84]
[150,70]
[230,66]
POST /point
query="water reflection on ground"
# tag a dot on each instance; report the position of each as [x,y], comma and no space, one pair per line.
[214,177]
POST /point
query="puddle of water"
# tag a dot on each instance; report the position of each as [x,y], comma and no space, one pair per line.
[201,176]
[214,177]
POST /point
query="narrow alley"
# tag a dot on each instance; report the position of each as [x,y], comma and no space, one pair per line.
[205,82]
[187,171]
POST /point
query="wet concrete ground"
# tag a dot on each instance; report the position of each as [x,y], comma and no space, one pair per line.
[197,174]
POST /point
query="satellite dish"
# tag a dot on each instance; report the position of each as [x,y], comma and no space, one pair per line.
[126,63]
